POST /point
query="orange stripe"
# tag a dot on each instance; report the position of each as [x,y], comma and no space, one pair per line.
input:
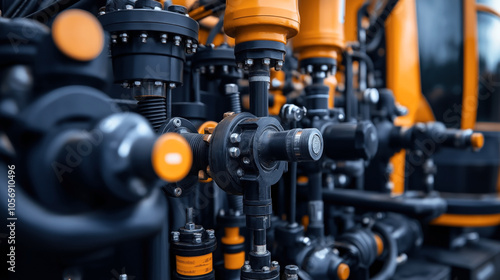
[471,67]
[454,220]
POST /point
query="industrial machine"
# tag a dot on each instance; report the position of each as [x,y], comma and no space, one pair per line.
[245,139]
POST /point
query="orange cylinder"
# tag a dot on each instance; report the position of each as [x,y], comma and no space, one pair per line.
[257,20]
[321,29]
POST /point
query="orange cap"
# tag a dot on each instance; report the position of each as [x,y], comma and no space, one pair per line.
[172,157]
[380,244]
[343,271]
[78,34]
[477,140]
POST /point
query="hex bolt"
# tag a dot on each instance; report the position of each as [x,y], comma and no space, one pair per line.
[178,191]
[158,83]
[129,7]
[265,268]
[177,122]
[247,267]
[177,40]
[172,85]
[291,272]
[246,160]
[189,43]
[235,138]
[233,93]
[211,233]
[225,69]
[249,62]
[124,37]
[137,83]
[144,37]
[266,61]
[175,236]
[240,172]
[197,237]
[324,68]
[123,277]
[163,38]
[279,65]
[211,69]
[234,152]
[274,264]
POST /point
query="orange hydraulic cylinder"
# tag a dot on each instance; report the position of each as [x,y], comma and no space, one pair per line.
[321,29]
[261,20]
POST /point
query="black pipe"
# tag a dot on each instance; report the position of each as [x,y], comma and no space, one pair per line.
[351,102]
[216,30]
[258,88]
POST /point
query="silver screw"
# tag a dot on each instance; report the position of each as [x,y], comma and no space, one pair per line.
[274,264]
[163,38]
[324,68]
[279,65]
[144,37]
[177,40]
[246,160]
[240,172]
[249,62]
[225,69]
[178,191]
[158,83]
[188,43]
[175,236]
[247,267]
[177,122]
[234,152]
[197,237]
[172,85]
[129,7]
[265,268]
[211,233]
[123,277]
[235,138]
[124,37]
[266,61]
[137,83]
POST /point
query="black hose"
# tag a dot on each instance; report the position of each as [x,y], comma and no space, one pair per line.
[351,103]
[85,232]
[369,63]
[216,30]
[390,264]
[48,12]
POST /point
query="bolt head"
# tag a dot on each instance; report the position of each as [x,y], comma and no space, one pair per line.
[249,62]
[234,152]
[178,191]
[247,267]
[177,122]
[240,172]
[231,89]
[265,268]
[266,61]
[246,160]
[274,264]
[235,138]
[291,269]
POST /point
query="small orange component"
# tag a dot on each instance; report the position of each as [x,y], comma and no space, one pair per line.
[343,271]
[208,124]
[194,266]
[78,35]
[171,157]
[234,261]
[380,244]
[477,140]
[232,236]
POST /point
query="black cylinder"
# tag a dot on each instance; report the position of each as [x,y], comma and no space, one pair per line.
[292,145]
[349,141]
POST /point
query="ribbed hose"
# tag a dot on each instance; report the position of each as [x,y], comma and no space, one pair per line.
[153,108]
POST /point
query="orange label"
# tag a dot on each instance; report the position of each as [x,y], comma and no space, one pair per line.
[194,266]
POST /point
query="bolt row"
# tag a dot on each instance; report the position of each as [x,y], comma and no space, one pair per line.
[124,37]
[265,61]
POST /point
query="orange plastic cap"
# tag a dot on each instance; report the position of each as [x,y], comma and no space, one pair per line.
[380,244]
[343,271]
[477,140]
[78,35]
[172,157]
